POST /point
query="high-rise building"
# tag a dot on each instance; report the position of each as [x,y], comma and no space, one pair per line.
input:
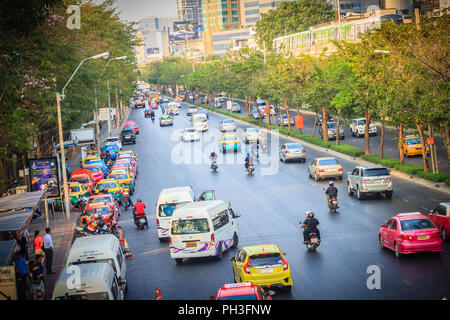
[251,10]
[153,31]
[190,11]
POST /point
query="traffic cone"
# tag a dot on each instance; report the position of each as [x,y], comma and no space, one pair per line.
[158,295]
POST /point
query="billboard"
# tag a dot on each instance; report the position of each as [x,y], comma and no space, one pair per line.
[83,135]
[151,51]
[44,175]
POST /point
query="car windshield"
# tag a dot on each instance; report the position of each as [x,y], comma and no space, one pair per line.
[361,122]
[190,226]
[101,211]
[96,161]
[241,297]
[375,172]
[416,224]
[331,125]
[413,141]
[111,147]
[229,138]
[199,119]
[81,180]
[112,139]
[127,132]
[119,176]
[105,199]
[327,162]
[253,130]
[294,146]
[86,296]
[190,130]
[110,185]
[167,209]
[265,259]
[93,169]
[74,189]
[228,121]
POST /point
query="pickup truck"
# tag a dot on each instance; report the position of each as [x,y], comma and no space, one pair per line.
[369,180]
[440,216]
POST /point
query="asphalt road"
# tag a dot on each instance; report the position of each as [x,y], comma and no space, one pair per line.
[390,141]
[272,202]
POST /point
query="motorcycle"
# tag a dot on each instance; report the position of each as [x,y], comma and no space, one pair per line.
[214,165]
[333,204]
[152,116]
[37,290]
[126,203]
[250,168]
[140,222]
[313,242]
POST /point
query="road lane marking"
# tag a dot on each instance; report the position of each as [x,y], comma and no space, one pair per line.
[155,251]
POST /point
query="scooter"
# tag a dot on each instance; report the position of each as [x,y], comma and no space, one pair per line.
[313,242]
[152,117]
[333,204]
[214,165]
[250,169]
[139,221]
[126,203]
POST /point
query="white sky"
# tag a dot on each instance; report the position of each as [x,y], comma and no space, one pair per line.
[132,10]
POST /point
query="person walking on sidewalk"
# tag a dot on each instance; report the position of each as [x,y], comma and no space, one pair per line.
[38,242]
[48,249]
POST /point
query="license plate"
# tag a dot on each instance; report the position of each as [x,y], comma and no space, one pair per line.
[267,270]
[191,244]
[142,221]
[377,181]
[422,237]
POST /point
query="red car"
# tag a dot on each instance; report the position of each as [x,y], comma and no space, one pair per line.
[408,233]
[153,105]
[104,199]
[132,124]
[242,291]
[130,159]
[440,216]
[96,172]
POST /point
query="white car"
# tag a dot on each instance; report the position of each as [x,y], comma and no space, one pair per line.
[358,128]
[200,122]
[253,134]
[227,125]
[114,140]
[190,134]
[173,106]
[191,110]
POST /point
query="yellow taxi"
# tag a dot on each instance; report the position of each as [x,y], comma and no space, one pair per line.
[122,177]
[229,142]
[412,146]
[126,153]
[76,190]
[97,161]
[263,265]
[113,186]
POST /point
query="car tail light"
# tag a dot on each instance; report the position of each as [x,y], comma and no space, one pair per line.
[212,239]
[287,151]
[365,180]
[406,237]
[388,179]
[340,169]
[321,170]
[304,151]
[246,266]
[286,264]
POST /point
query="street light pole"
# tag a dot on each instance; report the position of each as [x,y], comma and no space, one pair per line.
[60,97]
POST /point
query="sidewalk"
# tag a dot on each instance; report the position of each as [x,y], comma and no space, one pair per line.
[62,228]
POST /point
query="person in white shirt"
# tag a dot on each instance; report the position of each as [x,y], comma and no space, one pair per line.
[48,249]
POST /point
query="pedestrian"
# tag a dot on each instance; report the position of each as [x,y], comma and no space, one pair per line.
[38,242]
[50,203]
[48,250]
[21,275]
[23,243]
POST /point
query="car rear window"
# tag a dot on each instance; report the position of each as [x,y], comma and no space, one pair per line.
[294,146]
[265,259]
[240,297]
[327,162]
[229,138]
[127,132]
[413,141]
[227,121]
[375,172]
[190,226]
[416,224]
[253,130]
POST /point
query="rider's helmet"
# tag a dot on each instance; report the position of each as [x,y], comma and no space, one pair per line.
[311,215]
[139,200]
[248,153]
[331,183]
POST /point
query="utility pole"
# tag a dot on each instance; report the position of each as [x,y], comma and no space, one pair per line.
[433,152]
[109,112]
[97,128]
[63,156]
[117,109]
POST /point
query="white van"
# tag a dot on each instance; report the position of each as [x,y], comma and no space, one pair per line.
[97,282]
[173,106]
[171,199]
[100,248]
[202,229]
[200,121]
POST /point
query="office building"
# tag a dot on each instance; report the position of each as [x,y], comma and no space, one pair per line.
[154,34]
[190,11]
[251,10]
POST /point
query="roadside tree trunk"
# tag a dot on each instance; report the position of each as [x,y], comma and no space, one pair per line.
[338,123]
[366,133]
[268,115]
[288,115]
[324,124]
[315,125]
[399,144]
[426,166]
[382,138]
[447,143]
[259,111]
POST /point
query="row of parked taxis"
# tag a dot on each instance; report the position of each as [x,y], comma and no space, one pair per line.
[98,258]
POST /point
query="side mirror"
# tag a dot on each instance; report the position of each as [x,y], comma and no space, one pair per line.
[232,259]
[349,173]
[284,254]
[237,215]
[123,282]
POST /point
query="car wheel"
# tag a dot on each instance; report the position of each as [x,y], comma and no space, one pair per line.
[380,241]
[359,194]
[235,241]
[349,189]
[443,235]
[396,251]
[220,253]
[179,260]
[389,194]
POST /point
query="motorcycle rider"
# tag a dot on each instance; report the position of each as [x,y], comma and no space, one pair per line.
[152,114]
[247,160]
[213,157]
[126,195]
[310,224]
[139,207]
[331,192]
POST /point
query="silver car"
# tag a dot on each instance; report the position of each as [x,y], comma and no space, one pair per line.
[227,125]
[332,131]
[325,167]
[191,110]
[292,151]
[374,179]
